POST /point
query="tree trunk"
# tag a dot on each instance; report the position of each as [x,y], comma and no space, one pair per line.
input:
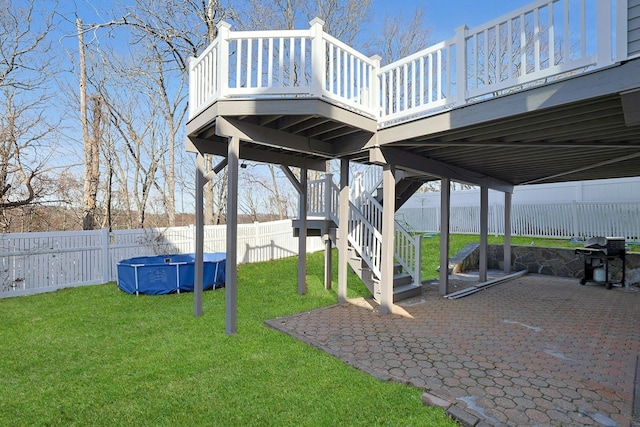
[90,179]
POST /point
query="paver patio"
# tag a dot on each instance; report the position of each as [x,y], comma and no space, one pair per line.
[537,350]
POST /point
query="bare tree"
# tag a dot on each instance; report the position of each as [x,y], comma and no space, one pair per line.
[400,37]
[344,19]
[178,30]
[27,136]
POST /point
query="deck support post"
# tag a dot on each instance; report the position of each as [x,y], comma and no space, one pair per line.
[301,187]
[343,231]
[199,237]
[302,236]
[231,266]
[388,238]
[484,232]
[328,209]
[507,233]
[445,209]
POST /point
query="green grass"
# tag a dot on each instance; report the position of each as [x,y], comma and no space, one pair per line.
[97,356]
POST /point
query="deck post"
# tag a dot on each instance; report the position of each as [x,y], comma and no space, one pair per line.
[222,76]
[318,65]
[388,238]
[484,231]
[461,64]
[231,266]
[199,237]
[604,33]
[302,235]
[622,15]
[445,210]
[343,231]
[507,233]
[373,101]
[328,210]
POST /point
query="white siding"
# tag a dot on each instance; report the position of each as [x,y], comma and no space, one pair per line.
[633,39]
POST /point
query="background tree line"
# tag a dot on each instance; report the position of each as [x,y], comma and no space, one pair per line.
[94,103]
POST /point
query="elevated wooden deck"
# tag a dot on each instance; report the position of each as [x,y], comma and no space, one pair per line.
[561,104]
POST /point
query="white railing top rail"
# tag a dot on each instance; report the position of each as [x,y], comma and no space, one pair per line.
[535,44]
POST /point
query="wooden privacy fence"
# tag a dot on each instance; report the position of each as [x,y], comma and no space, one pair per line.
[40,262]
[561,220]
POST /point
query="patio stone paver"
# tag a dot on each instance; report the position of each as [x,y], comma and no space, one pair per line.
[537,350]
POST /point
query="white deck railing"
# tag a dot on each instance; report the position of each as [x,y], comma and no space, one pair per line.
[538,43]
[284,63]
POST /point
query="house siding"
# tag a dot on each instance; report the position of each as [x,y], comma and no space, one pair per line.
[633,29]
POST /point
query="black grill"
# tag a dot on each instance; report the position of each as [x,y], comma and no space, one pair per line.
[597,253]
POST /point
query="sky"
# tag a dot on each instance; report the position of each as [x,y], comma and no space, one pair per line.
[444,16]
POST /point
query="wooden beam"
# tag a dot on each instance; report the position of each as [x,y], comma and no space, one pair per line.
[540,120]
[263,156]
[309,124]
[290,121]
[323,128]
[272,138]
[349,146]
[317,107]
[292,179]
[631,107]
[407,160]
[584,168]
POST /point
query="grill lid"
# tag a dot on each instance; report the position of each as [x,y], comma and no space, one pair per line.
[598,242]
[608,245]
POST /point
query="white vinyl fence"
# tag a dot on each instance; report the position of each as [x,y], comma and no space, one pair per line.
[40,262]
[561,220]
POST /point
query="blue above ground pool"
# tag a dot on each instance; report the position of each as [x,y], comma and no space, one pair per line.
[165,274]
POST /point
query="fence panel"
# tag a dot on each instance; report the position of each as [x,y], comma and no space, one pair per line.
[39,262]
[556,220]
[32,262]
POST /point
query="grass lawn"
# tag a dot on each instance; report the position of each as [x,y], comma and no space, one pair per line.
[95,356]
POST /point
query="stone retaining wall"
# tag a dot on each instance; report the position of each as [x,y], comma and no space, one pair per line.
[562,262]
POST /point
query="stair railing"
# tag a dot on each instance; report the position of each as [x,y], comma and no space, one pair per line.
[322,198]
[366,208]
[365,221]
[365,239]
[408,251]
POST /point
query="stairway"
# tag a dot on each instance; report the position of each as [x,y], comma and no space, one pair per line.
[403,283]
[365,233]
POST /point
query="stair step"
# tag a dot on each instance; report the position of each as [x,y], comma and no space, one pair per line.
[401,279]
[397,269]
[406,291]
